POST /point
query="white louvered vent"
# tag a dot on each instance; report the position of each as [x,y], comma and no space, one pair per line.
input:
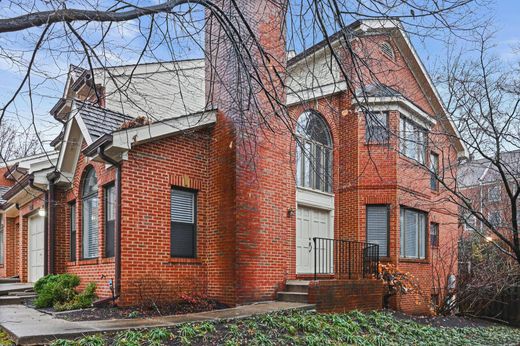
[387,50]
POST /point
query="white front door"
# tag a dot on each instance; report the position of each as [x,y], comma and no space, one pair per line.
[36,248]
[310,223]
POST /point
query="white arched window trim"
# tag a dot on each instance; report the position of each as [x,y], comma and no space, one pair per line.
[313,153]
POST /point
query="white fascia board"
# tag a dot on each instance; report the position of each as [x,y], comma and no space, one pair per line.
[125,139]
[65,142]
[315,93]
[400,104]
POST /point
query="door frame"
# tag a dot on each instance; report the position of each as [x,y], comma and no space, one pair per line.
[29,220]
[316,200]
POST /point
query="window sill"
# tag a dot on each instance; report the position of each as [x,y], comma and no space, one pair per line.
[108,260]
[1,265]
[182,261]
[414,260]
[86,262]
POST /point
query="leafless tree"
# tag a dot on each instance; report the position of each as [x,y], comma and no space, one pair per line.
[16,143]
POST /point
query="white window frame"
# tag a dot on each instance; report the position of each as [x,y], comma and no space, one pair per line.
[413,139]
[374,127]
[420,235]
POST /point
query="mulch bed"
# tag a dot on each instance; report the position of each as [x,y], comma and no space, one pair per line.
[444,321]
[106,313]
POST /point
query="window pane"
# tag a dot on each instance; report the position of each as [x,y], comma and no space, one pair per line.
[307,168]
[328,170]
[90,228]
[411,234]
[182,206]
[110,216]
[376,127]
[299,162]
[318,169]
[182,240]
[1,240]
[434,171]
[377,227]
[73,232]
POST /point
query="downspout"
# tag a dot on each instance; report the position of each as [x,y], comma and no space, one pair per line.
[51,219]
[45,224]
[117,240]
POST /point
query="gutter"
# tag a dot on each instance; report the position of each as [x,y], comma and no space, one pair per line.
[117,240]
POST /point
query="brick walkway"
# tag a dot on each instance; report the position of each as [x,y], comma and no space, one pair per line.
[28,326]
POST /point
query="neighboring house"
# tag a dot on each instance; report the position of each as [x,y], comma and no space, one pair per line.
[483,185]
[175,205]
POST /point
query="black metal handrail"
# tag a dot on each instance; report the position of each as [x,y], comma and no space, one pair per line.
[346,259]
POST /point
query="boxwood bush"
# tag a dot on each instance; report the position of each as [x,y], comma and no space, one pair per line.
[59,291]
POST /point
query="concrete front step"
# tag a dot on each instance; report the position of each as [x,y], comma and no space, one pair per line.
[297,286]
[28,293]
[9,280]
[11,300]
[293,297]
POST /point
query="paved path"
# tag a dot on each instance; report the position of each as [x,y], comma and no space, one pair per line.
[29,326]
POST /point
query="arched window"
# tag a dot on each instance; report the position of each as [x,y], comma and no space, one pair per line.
[89,197]
[313,152]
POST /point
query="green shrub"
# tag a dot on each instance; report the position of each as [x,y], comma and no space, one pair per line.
[79,301]
[58,291]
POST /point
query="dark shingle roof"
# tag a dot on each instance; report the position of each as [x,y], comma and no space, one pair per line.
[3,189]
[99,121]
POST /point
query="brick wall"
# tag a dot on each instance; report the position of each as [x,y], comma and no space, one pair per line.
[346,295]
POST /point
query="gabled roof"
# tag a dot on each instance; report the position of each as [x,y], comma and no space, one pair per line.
[483,171]
[370,26]
[99,121]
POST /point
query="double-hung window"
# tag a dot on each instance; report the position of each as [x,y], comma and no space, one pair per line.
[377,227]
[376,128]
[413,233]
[110,217]
[183,223]
[72,218]
[413,140]
[89,232]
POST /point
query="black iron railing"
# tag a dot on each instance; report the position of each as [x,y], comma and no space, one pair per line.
[345,259]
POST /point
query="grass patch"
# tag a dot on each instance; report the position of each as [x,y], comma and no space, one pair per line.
[309,328]
[4,339]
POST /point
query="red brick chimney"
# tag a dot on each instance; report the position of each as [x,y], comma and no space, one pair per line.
[245,66]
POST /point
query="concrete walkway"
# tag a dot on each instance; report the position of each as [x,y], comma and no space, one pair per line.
[14,287]
[28,326]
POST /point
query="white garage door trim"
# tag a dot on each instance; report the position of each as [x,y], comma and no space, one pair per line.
[35,248]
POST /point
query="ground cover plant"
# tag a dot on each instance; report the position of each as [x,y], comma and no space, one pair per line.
[310,328]
[59,292]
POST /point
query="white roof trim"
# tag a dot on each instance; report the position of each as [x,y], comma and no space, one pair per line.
[125,139]
[400,104]
[315,93]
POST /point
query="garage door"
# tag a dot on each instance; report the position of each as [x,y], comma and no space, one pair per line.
[310,223]
[36,248]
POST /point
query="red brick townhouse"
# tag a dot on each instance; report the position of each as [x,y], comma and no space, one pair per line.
[482,184]
[182,203]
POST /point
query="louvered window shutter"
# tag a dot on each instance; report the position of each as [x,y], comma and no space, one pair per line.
[183,218]
[377,227]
